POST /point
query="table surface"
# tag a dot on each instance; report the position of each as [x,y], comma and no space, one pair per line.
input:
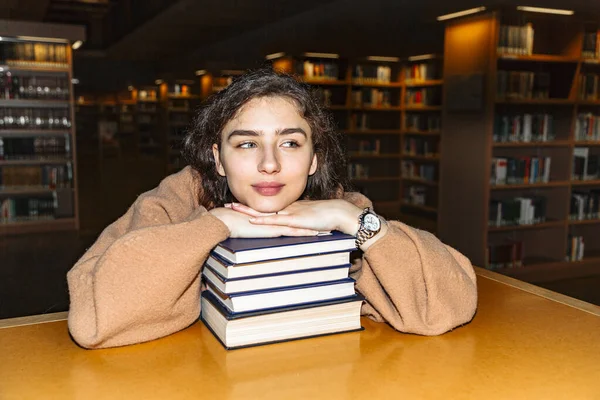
[525,342]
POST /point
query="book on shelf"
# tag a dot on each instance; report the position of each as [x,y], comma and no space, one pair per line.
[428,96]
[419,72]
[358,171]
[585,205]
[230,270]
[522,170]
[587,127]
[523,85]
[318,69]
[524,128]
[508,254]
[526,210]
[515,39]
[585,165]
[591,44]
[276,280]
[285,296]
[589,86]
[423,123]
[575,248]
[236,330]
[411,169]
[371,97]
[371,74]
[245,250]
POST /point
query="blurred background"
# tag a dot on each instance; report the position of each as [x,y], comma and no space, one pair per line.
[474,120]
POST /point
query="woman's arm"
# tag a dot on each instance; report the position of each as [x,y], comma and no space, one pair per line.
[141,279]
[409,278]
[416,283]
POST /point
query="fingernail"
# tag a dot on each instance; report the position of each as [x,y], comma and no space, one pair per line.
[234,204]
[227,205]
[252,219]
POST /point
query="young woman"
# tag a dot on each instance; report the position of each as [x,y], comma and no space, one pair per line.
[265,161]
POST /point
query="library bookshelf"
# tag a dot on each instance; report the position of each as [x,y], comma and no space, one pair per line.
[389,110]
[179,100]
[38,164]
[515,107]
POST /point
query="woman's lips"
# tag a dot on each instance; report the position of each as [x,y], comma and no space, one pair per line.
[268,188]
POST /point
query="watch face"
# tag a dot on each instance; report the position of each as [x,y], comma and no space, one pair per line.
[371,222]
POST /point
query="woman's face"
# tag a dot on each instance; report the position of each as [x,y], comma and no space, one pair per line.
[266,153]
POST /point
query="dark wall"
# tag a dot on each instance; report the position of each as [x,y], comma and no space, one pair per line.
[348,27]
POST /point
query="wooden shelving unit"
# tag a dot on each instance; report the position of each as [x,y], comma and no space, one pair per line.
[179,100]
[375,103]
[38,148]
[474,63]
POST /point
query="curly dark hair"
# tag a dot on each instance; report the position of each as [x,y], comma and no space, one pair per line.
[327,182]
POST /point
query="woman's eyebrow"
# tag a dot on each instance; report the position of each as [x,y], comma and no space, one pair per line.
[242,132]
[247,132]
[289,131]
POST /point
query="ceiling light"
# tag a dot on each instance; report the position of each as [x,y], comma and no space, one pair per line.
[75,81]
[0,38]
[382,58]
[200,72]
[545,10]
[421,57]
[321,55]
[42,39]
[77,45]
[158,82]
[130,88]
[460,13]
[273,56]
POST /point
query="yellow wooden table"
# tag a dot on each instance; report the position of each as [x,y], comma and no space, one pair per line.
[524,343]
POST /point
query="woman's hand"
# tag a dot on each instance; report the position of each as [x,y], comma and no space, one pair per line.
[318,215]
[239,225]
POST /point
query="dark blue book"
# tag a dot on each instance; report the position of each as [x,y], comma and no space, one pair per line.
[286,296]
[228,269]
[246,250]
[236,330]
[277,280]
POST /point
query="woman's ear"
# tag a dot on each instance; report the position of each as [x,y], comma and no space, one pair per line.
[217,157]
[313,165]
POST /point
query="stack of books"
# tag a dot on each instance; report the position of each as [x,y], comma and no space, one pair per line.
[268,290]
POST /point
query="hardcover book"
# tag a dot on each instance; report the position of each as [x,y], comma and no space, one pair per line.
[236,330]
[227,269]
[246,250]
[237,285]
[281,297]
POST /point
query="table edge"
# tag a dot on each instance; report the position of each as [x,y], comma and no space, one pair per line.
[481,272]
[33,319]
[539,291]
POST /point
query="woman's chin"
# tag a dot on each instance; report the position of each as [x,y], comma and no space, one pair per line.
[267,206]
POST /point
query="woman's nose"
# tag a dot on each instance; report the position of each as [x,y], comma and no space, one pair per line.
[269,162]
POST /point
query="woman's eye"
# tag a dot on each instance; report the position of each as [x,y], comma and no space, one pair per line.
[246,145]
[290,143]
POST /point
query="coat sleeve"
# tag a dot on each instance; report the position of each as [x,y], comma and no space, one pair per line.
[141,279]
[413,281]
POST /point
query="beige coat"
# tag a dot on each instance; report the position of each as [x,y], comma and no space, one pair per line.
[141,279]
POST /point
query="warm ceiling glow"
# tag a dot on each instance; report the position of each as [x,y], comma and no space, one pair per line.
[200,72]
[460,13]
[321,55]
[158,81]
[130,88]
[545,10]
[383,58]
[421,57]
[77,44]
[274,55]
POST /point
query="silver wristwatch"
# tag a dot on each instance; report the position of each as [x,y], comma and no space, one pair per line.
[369,226]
